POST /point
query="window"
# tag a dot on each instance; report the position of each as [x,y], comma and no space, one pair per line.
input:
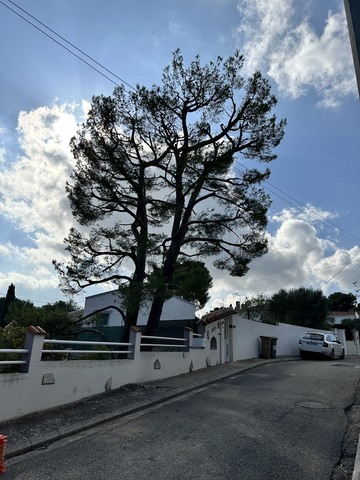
[102,319]
[98,320]
[314,336]
[213,343]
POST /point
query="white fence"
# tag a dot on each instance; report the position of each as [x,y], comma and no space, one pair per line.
[46,384]
[43,384]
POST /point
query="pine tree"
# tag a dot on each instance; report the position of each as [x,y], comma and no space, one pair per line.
[158,179]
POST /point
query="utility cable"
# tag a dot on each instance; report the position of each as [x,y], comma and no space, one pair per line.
[69,43]
[314,212]
[303,208]
[306,209]
[315,215]
[336,274]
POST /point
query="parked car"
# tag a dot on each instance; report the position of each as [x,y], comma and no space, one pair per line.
[321,344]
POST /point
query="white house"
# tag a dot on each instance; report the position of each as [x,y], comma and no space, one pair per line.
[338,317]
[175,308]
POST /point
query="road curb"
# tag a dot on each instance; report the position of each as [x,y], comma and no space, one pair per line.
[356,471]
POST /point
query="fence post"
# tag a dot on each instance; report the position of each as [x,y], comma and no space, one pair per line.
[135,340]
[188,335]
[34,341]
[342,337]
[355,334]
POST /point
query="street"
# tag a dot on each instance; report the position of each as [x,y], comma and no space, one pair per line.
[281,421]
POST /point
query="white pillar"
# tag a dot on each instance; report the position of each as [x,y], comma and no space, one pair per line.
[222,341]
[135,340]
[356,341]
[34,342]
[342,337]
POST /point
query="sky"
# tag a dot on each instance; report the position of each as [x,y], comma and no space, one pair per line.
[303,49]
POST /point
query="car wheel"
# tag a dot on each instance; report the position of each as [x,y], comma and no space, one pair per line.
[302,355]
[332,355]
[342,356]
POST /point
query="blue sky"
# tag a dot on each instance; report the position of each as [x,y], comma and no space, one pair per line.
[302,47]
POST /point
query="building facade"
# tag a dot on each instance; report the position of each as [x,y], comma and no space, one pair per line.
[109,306]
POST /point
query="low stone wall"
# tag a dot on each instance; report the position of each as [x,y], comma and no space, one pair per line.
[49,384]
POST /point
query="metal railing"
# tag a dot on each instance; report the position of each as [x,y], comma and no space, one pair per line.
[148,342]
[80,342]
[156,342]
[20,351]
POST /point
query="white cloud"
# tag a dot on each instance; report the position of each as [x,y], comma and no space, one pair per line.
[8,251]
[298,256]
[2,146]
[32,188]
[85,107]
[309,214]
[33,199]
[279,39]
[2,154]
[263,24]
[38,278]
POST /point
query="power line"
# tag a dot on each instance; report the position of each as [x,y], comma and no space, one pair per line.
[303,208]
[306,209]
[352,273]
[314,212]
[316,216]
[69,43]
[328,267]
[336,274]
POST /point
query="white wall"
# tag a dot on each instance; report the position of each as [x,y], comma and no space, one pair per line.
[70,381]
[75,380]
[25,393]
[247,343]
[103,300]
[175,308]
[352,348]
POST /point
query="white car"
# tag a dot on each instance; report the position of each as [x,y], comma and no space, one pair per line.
[322,344]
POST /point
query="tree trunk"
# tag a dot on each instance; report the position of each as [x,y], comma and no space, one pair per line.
[10,297]
[130,320]
[152,326]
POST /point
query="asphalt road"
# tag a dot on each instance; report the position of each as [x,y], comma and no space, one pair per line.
[283,421]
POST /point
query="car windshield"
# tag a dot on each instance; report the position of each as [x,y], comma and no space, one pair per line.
[314,336]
